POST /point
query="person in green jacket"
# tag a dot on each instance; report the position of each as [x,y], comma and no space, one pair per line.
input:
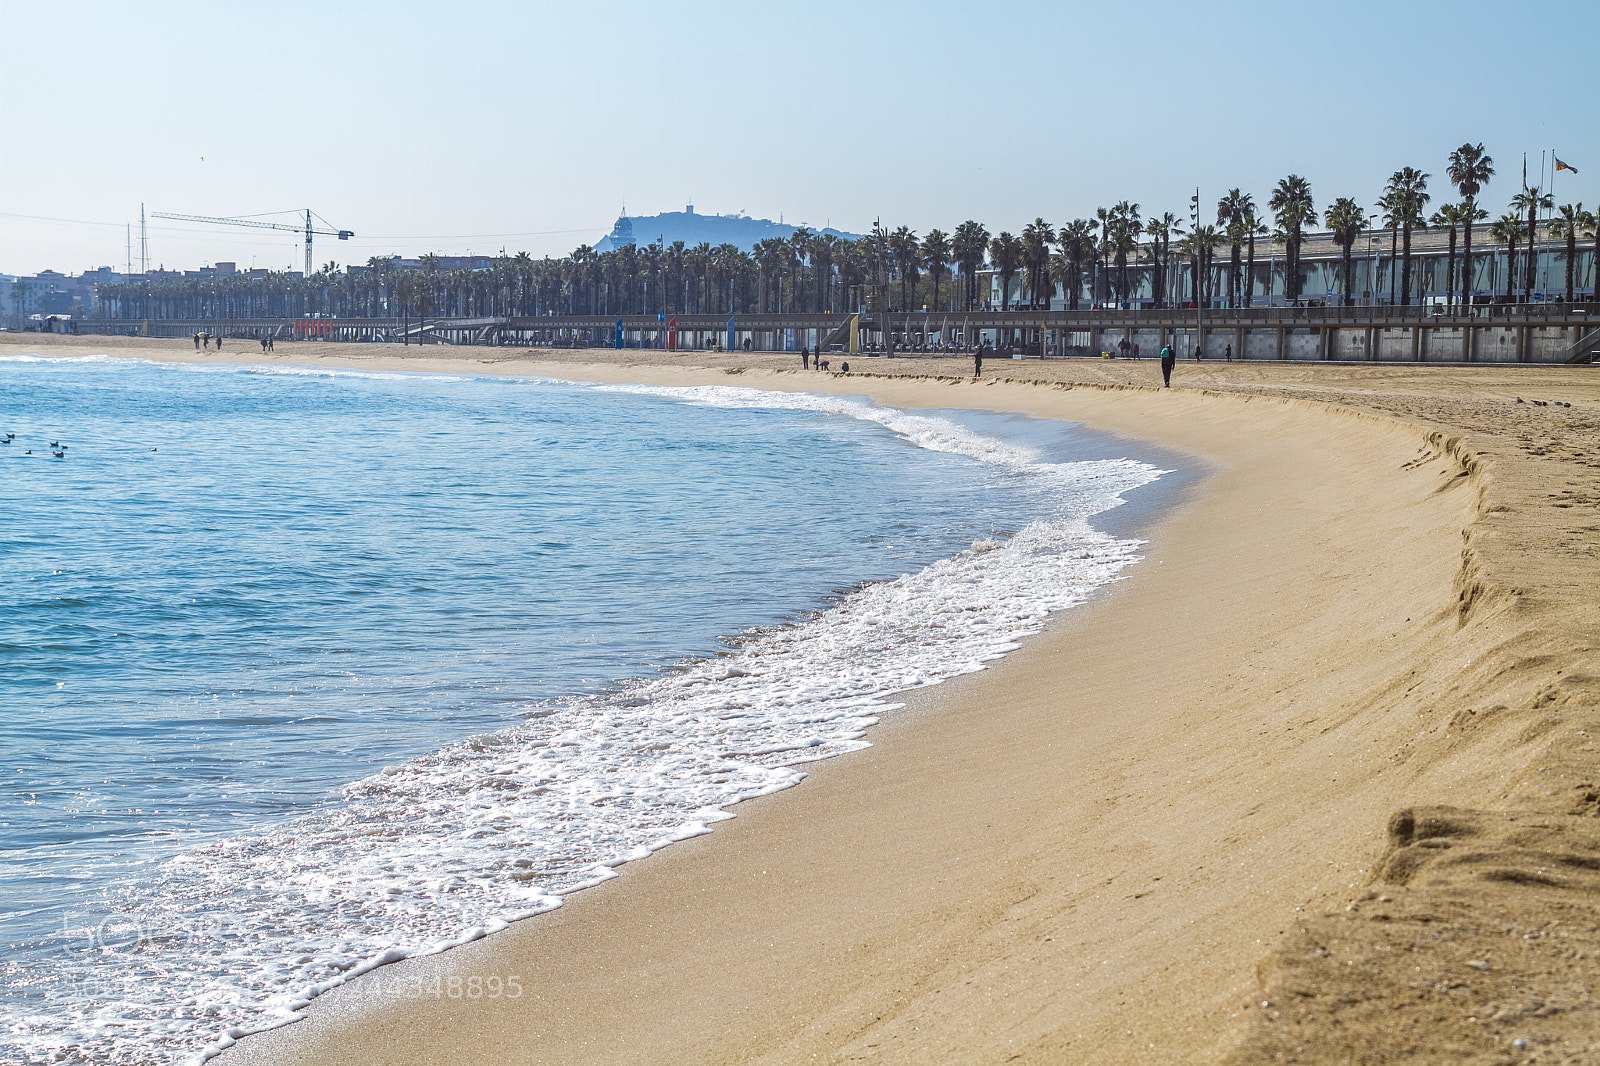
[1167,361]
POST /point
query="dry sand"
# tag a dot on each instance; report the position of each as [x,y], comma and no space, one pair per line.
[1317,782]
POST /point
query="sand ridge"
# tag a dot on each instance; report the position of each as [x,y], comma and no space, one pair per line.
[1317,782]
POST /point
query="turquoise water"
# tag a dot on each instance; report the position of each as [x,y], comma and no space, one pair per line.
[409,656]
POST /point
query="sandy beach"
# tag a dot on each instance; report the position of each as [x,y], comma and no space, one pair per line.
[1316,782]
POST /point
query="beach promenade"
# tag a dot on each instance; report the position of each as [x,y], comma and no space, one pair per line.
[1317,782]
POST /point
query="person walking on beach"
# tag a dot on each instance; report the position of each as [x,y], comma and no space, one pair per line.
[1168,360]
[977,360]
[197,342]
[805,358]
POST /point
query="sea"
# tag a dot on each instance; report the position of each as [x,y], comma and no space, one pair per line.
[303,671]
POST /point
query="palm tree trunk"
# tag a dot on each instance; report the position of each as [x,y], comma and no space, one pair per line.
[1533,252]
[1394,243]
[1450,272]
[1349,246]
[1250,268]
[1405,268]
[1572,254]
[1594,267]
[1293,257]
[1466,256]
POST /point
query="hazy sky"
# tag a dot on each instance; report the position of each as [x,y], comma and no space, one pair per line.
[476,126]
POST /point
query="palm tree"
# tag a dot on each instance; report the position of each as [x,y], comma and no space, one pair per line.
[1233,211]
[799,242]
[935,255]
[1159,229]
[1389,203]
[1124,238]
[906,253]
[677,252]
[650,256]
[821,250]
[1254,228]
[1005,251]
[1450,215]
[849,258]
[1037,236]
[1405,196]
[1507,230]
[968,247]
[879,263]
[1201,246]
[1291,203]
[772,256]
[1076,241]
[1572,222]
[697,263]
[1470,170]
[1531,201]
[1346,218]
[1102,218]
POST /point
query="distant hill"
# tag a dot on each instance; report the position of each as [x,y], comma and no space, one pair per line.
[693,229]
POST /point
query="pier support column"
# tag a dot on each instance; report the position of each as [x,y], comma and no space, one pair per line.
[1280,344]
[1522,344]
[1466,342]
[1372,344]
[1238,342]
[1416,344]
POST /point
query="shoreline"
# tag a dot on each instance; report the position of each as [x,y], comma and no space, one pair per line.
[1110,842]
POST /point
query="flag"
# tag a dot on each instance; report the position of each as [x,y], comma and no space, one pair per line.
[1565,166]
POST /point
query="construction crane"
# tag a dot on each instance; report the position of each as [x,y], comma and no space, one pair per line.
[342,234]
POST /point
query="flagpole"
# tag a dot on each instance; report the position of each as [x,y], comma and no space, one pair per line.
[1551,187]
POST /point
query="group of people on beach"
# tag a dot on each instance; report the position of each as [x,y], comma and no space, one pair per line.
[810,360]
[202,340]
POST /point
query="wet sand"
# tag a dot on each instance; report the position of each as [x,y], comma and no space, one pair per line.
[1316,782]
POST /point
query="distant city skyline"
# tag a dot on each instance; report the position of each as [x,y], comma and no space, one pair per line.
[918,115]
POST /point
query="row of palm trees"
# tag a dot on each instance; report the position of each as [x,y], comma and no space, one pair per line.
[814,272]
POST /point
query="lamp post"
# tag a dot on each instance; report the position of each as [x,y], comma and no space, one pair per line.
[1199,265]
